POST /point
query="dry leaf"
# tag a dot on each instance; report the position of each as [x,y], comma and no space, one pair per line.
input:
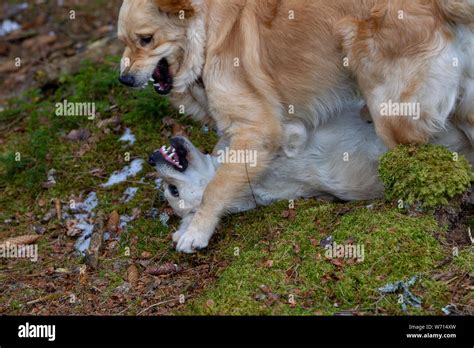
[167,268]
[39,41]
[133,275]
[146,255]
[71,228]
[296,248]
[21,240]
[337,262]
[289,214]
[81,134]
[97,172]
[113,222]
[268,264]
[83,275]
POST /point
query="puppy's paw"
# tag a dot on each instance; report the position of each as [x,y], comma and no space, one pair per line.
[192,241]
[183,227]
[178,234]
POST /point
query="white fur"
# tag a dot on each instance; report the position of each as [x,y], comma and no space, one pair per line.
[339,159]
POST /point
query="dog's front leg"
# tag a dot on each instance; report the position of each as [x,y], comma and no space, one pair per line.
[250,150]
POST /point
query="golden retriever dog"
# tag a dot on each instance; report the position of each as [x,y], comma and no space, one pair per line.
[250,66]
[414,62]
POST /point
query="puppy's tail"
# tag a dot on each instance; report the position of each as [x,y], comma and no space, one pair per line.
[457,11]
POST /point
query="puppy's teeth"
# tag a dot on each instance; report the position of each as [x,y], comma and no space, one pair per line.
[152,80]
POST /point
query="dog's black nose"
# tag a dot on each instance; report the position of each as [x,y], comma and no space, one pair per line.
[151,161]
[127,80]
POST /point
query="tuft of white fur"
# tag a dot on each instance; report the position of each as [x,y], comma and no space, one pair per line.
[193,62]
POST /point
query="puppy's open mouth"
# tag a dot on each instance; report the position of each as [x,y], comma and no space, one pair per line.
[173,155]
[162,80]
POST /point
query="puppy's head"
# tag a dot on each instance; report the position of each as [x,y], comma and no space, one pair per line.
[154,33]
[185,171]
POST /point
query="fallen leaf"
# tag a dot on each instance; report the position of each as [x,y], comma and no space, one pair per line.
[39,41]
[81,134]
[289,214]
[97,172]
[296,248]
[8,67]
[146,255]
[337,262]
[71,228]
[113,222]
[268,264]
[272,298]
[62,270]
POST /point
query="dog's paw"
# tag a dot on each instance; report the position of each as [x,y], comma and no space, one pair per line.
[182,228]
[177,235]
[190,242]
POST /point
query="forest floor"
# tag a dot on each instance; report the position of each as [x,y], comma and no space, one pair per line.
[268,261]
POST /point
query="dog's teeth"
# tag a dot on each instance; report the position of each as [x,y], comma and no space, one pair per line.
[152,80]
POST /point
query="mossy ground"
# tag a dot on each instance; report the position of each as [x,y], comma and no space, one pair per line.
[258,262]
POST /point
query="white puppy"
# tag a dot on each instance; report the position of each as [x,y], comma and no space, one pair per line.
[339,159]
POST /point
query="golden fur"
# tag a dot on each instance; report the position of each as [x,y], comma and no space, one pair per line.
[404,52]
[263,63]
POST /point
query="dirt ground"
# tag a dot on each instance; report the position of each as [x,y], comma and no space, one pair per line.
[54,36]
[269,261]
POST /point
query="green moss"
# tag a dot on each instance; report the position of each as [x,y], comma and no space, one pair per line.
[396,247]
[429,174]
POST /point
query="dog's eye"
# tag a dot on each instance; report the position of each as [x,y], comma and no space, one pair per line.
[146,40]
[173,190]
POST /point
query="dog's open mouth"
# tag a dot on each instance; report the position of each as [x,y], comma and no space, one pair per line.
[173,155]
[162,80]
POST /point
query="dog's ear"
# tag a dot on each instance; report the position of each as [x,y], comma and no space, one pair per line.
[176,7]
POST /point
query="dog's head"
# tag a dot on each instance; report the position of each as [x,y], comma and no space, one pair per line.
[185,171]
[155,35]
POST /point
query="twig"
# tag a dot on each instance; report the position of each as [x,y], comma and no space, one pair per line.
[44,298]
[155,305]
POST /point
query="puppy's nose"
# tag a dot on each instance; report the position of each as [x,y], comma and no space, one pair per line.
[127,80]
[151,161]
